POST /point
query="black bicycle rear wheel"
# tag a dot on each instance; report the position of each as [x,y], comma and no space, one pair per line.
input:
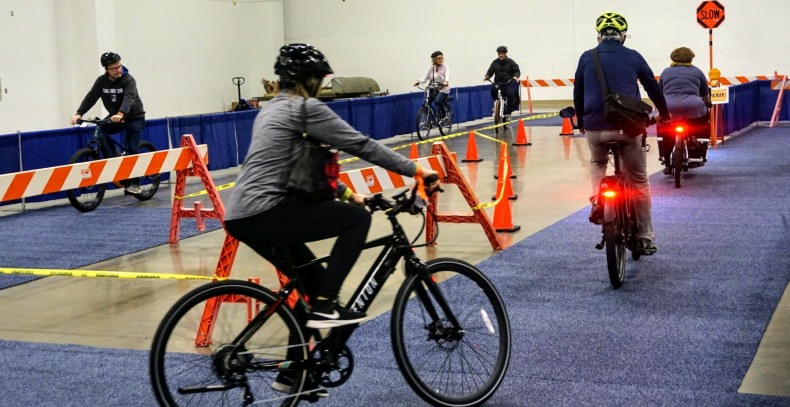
[87,198]
[193,363]
[677,161]
[424,123]
[449,366]
[615,243]
[148,184]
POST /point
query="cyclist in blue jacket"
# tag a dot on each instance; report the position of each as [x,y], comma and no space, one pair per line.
[622,67]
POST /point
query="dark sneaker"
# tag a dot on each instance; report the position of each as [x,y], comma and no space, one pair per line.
[596,214]
[333,316]
[646,247]
[283,384]
[667,170]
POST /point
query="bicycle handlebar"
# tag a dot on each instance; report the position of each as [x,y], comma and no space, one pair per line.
[95,120]
[403,201]
[434,85]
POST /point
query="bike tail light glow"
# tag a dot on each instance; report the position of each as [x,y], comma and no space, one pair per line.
[609,193]
[680,129]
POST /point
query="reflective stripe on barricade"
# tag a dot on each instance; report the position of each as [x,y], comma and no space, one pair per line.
[70,176]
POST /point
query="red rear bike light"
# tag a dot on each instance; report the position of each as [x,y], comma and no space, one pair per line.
[609,193]
[680,129]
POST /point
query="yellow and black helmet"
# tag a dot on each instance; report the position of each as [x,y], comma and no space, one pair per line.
[611,20]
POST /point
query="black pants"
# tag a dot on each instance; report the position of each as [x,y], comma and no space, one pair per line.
[294,222]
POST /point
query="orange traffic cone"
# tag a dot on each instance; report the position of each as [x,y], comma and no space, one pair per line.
[521,135]
[471,150]
[567,127]
[414,154]
[508,186]
[503,221]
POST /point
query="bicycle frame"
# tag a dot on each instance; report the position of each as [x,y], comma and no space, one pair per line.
[394,248]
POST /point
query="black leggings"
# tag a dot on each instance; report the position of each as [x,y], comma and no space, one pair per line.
[294,222]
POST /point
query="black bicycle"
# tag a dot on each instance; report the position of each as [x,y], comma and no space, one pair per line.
[501,111]
[428,118]
[681,159]
[87,198]
[449,329]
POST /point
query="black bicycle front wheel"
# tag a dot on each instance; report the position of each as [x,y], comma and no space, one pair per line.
[424,123]
[196,361]
[148,184]
[614,241]
[87,198]
[449,365]
[446,124]
[497,115]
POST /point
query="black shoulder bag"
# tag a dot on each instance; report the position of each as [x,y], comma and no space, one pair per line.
[627,113]
[314,168]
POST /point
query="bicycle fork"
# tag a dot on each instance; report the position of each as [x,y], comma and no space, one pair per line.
[445,328]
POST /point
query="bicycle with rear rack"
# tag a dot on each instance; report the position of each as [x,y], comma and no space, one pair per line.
[616,203]
[449,329]
[688,151]
[88,198]
[428,118]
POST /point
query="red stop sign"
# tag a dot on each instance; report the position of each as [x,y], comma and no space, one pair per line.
[710,14]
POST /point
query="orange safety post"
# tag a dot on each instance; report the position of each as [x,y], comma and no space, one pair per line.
[503,221]
[471,150]
[506,171]
[455,176]
[414,154]
[521,135]
[567,127]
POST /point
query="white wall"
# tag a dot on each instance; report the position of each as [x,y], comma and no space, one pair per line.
[184,53]
[391,41]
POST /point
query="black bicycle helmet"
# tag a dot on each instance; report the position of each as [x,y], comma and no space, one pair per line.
[436,54]
[109,58]
[501,48]
[298,62]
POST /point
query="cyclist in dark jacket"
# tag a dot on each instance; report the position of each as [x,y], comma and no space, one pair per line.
[502,70]
[117,90]
[622,68]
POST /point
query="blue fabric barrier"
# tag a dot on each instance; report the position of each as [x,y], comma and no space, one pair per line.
[228,135]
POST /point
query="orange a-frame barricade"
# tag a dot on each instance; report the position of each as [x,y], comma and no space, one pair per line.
[364,181]
[478,214]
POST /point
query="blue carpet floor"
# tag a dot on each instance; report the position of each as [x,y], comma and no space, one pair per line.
[682,330]
[60,237]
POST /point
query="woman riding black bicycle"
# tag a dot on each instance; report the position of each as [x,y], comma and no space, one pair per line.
[438,73]
[261,212]
[118,92]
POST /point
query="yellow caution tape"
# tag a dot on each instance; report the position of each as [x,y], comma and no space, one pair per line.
[104,274]
[431,140]
[204,192]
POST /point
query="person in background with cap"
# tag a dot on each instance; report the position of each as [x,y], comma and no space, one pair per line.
[621,67]
[439,73]
[503,69]
[118,92]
